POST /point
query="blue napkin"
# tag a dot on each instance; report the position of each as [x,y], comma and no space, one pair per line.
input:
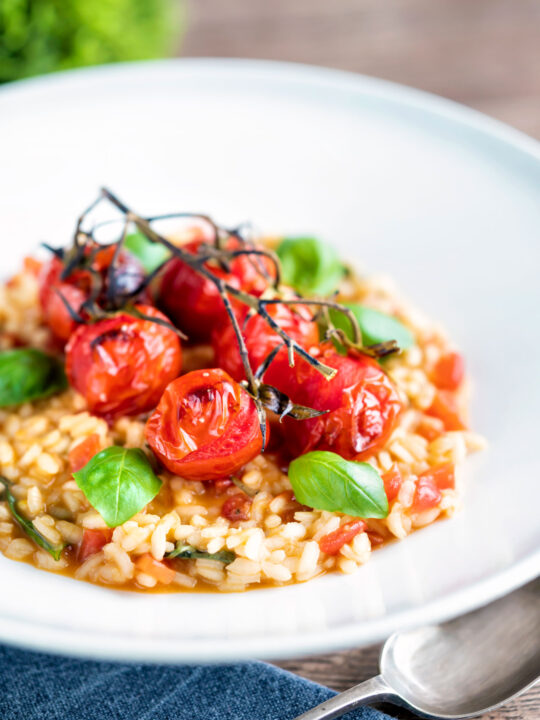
[35,686]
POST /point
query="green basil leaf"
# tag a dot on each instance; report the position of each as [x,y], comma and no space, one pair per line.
[309,265]
[325,481]
[27,526]
[118,482]
[190,553]
[28,374]
[150,254]
[377,327]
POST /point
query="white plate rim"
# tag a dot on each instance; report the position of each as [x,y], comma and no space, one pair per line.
[55,639]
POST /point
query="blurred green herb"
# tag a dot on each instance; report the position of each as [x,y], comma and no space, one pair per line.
[41,36]
[311,266]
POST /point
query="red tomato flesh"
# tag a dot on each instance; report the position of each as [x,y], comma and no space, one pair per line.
[205,426]
[194,302]
[392,482]
[84,452]
[92,542]
[443,476]
[362,402]
[260,338]
[237,507]
[444,407]
[155,568]
[427,495]
[449,371]
[332,543]
[123,364]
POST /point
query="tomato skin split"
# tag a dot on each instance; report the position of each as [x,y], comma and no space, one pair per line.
[205,427]
[362,403]
[123,364]
[332,543]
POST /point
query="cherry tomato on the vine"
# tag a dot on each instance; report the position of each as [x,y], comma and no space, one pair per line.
[76,288]
[123,364]
[205,426]
[295,320]
[362,402]
[194,302]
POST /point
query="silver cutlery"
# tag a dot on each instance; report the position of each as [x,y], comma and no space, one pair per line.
[459,669]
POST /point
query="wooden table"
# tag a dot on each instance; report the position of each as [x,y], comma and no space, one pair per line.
[484,53]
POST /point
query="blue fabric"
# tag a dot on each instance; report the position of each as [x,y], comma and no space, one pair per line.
[34,686]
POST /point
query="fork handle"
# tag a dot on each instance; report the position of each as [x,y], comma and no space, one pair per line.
[374,690]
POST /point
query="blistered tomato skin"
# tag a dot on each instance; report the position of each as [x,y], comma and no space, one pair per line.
[193,302]
[205,426]
[123,364]
[363,403]
[75,288]
[260,339]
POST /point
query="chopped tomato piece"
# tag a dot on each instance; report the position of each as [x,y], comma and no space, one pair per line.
[392,482]
[444,407]
[427,495]
[82,453]
[92,542]
[375,539]
[442,475]
[237,507]
[430,428]
[332,543]
[449,371]
[155,568]
[222,484]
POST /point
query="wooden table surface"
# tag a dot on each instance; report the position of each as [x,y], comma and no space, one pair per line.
[483,53]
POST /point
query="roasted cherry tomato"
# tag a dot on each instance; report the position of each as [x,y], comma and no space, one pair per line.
[194,302]
[260,339]
[205,426]
[362,402]
[123,364]
[76,288]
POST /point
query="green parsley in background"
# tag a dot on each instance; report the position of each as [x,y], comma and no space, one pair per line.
[41,36]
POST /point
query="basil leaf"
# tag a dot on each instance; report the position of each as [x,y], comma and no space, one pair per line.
[377,327]
[150,254]
[325,481]
[309,265]
[188,552]
[29,374]
[28,526]
[118,482]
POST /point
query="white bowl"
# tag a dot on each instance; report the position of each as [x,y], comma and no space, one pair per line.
[440,197]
